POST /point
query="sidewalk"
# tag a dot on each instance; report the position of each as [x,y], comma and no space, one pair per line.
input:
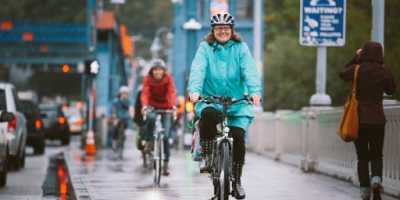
[106,178]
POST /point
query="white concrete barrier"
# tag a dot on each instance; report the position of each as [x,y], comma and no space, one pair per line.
[308,139]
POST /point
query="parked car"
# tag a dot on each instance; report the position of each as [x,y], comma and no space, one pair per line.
[74,119]
[36,137]
[4,152]
[55,125]
[16,128]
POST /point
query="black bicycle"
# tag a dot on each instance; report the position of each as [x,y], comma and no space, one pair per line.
[120,129]
[222,155]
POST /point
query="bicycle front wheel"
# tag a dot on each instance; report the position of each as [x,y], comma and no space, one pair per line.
[157,160]
[161,150]
[225,169]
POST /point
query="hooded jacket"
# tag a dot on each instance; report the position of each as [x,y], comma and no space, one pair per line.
[372,80]
[228,71]
[160,94]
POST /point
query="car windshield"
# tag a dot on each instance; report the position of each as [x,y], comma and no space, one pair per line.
[29,110]
[50,113]
[71,112]
[3,105]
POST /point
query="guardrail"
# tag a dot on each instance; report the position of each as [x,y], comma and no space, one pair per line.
[308,139]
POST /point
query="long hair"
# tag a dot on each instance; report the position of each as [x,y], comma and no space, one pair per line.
[210,38]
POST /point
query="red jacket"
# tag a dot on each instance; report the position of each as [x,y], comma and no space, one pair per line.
[161,94]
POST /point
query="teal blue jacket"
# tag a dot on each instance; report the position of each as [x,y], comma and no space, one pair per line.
[228,71]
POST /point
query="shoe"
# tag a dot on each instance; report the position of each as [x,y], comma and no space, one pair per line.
[237,189]
[376,192]
[144,161]
[206,153]
[148,147]
[166,173]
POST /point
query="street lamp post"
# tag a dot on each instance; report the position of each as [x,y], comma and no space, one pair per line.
[155,46]
[191,26]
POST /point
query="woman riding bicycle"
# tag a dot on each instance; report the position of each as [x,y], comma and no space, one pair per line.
[223,66]
[158,92]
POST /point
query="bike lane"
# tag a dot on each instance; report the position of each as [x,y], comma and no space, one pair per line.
[106,177]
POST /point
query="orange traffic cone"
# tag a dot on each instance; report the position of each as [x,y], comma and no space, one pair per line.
[90,148]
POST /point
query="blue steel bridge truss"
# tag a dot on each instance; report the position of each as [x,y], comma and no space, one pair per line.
[41,42]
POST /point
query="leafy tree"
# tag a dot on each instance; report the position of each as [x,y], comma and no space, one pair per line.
[44,10]
[289,76]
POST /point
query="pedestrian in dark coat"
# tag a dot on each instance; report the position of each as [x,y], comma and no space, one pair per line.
[139,123]
[373,79]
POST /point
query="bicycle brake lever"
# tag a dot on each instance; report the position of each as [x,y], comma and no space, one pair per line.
[145,114]
[175,115]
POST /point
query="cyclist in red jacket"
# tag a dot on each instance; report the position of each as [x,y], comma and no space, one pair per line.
[158,92]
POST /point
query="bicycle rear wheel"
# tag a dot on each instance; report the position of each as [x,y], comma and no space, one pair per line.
[121,141]
[224,183]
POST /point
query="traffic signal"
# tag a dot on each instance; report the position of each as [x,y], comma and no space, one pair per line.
[92,67]
[65,68]
[79,105]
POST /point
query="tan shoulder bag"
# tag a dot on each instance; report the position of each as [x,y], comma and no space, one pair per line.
[348,126]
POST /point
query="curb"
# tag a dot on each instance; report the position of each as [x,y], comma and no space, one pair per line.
[76,183]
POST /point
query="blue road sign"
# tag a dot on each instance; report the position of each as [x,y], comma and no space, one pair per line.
[322,22]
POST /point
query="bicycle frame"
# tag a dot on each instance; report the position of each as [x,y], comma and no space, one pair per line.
[222,138]
[158,133]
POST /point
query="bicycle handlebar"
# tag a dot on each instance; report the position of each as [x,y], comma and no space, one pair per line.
[225,101]
[147,110]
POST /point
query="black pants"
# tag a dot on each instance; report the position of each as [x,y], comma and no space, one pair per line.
[122,125]
[208,130]
[369,146]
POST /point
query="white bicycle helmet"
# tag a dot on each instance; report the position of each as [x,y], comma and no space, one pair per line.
[157,63]
[222,19]
[124,89]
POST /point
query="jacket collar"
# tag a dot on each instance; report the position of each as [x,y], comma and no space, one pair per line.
[151,75]
[228,44]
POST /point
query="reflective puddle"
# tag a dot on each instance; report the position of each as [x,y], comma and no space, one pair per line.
[56,184]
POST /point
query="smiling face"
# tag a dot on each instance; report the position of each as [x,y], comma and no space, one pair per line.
[222,33]
[158,73]
[124,96]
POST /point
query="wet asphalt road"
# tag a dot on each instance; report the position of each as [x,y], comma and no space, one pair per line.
[26,184]
[105,177]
